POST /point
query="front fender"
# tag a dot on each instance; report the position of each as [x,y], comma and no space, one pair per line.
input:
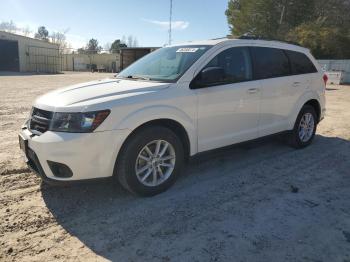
[150,113]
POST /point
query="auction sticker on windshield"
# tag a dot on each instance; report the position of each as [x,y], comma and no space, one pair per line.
[186,50]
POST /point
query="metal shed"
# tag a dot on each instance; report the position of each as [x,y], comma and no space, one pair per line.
[128,55]
[24,54]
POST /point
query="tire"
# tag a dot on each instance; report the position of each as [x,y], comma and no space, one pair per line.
[133,155]
[295,137]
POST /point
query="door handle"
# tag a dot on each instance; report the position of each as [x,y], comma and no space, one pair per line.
[253,90]
[296,84]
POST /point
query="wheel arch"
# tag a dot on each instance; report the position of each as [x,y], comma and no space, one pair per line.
[309,98]
[164,115]
[120,170]
[317,107]
[173,125]
[164,122]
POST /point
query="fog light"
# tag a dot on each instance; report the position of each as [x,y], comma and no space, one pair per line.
[60,170]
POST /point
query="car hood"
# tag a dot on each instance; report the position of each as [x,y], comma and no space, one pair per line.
[85,94]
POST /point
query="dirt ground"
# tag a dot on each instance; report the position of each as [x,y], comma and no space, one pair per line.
[260,201]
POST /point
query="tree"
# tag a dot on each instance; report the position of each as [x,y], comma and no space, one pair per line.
[92,47]
[135,43]
[107,47]
[26,31]
[130,40]
[13,28]
[59,38]
[267,18]
[8,27]
[116,45]
[42,33]
[124,39]
[325,41]
[297,20]
[81,50]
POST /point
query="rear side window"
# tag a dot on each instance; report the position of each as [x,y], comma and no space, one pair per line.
[300,63]
[270,62]
[236,64]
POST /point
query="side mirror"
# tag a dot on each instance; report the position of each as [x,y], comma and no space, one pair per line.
[208,76]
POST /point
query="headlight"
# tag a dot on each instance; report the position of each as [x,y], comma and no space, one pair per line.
[78,122]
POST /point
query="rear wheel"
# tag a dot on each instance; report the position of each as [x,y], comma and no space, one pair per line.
[304,128]
[150,161]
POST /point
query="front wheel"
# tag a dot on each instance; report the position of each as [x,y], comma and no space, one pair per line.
[304,128]
[150,161]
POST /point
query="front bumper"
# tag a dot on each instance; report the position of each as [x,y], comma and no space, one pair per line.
[35,166]
[88,155]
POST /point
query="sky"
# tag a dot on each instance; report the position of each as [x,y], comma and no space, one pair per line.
[147,20]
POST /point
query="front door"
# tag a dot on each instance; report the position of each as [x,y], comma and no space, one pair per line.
[228,110]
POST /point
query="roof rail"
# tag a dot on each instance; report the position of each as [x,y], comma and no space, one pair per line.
[218,38]
[223,37]
[252,37]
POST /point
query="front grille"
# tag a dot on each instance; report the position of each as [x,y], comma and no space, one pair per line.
[40,120]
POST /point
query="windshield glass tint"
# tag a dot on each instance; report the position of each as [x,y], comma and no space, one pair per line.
[165,64]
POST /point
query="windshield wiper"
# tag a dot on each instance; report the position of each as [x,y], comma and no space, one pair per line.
[136,77]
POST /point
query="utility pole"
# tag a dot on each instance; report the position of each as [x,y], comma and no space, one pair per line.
[170,18]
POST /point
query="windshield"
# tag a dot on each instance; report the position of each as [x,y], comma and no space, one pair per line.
[166,64]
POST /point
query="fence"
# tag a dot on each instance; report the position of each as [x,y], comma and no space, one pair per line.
[43,59]
[84,62]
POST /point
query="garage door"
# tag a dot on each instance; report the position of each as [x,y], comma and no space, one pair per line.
[9,60]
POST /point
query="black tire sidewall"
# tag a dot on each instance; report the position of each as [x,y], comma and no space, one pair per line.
[133,148]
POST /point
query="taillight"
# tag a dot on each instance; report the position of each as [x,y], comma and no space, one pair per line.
[325,79]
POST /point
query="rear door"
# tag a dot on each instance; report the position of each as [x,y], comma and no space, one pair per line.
[303,70]
[278,90]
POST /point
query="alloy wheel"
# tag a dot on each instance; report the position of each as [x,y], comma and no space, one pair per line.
[155,163]
[306,127]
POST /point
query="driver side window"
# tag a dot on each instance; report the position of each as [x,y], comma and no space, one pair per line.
[236,65]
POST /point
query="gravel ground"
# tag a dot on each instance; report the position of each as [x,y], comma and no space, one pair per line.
[260,201]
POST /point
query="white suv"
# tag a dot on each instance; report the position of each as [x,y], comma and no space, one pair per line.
[180,100]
